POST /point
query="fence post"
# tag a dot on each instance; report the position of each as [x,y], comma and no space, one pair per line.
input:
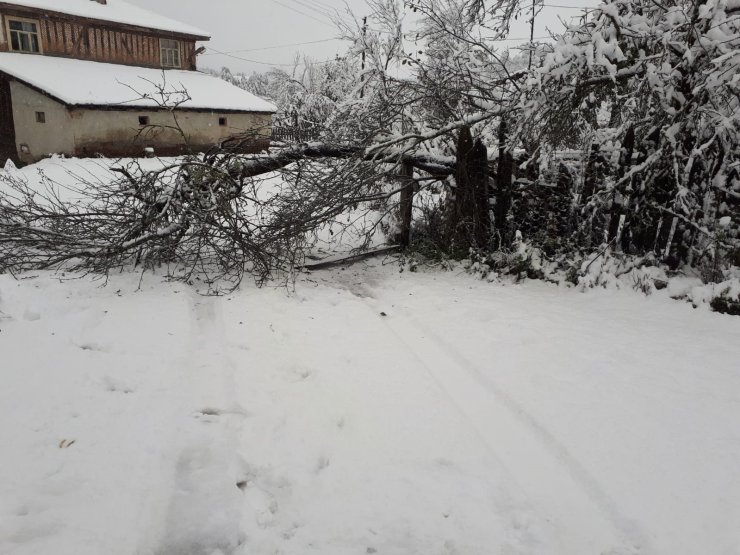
[504,179]
[406,204]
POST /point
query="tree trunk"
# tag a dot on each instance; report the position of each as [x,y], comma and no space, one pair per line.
[469,225]
[478,174]
[620,200]
[406,205]
[592,173]
[504,177]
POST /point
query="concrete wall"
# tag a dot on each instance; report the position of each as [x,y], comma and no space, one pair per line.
[40,139]
[109,131]
[87,132]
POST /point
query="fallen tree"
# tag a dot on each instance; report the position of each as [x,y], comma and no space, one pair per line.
[218,214]
[665,184]
[244,167]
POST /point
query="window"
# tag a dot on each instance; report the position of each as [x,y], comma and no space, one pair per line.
[143,120]
[24,35]
[170,52]
[40,117]
[222,122]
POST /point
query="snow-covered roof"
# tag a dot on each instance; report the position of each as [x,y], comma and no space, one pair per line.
[83,83]
[117,11]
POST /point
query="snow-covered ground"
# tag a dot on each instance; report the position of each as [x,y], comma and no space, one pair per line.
[367,411]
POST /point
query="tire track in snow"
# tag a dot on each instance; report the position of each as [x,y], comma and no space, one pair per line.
[205,508]
[528,441]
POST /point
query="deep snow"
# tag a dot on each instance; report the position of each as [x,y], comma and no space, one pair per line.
[471,418]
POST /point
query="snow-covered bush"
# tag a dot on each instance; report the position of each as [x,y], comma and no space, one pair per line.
[307,95]
[520,261]
[668,74]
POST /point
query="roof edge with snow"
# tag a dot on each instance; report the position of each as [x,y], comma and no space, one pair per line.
[96,85]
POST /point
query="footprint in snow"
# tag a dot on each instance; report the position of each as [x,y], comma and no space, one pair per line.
[115,386]
[321,464]
[209,414]
[91,346]
[31,315]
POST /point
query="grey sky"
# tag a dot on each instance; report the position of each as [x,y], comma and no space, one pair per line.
[254,27]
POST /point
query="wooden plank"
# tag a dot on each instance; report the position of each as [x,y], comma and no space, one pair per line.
[68,41]
[351,259]
[38,13]
[88,39]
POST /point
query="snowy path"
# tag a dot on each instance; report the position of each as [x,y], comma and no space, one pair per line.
[469,419]
[542,467]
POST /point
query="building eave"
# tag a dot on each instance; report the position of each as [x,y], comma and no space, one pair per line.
[125,108]
[129,108]
[78,83]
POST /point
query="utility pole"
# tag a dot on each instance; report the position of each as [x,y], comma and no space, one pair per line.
[364,46]
[531,33]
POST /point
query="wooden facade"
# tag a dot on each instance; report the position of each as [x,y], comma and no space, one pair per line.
[93,40]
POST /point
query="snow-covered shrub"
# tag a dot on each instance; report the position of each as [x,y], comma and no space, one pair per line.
[728,300]
[610,270]
[306,96]
[720,297]
[667,73]
[521,261]
[543,209]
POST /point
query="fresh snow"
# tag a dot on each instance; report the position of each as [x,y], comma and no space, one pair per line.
[101,84]
[117,11]
[364,410]
[472,418]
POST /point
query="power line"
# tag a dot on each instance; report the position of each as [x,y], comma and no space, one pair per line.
[312,7]
[266,63]
[231,53]
[302,13]
[277,46]
[291,44]
[321,4]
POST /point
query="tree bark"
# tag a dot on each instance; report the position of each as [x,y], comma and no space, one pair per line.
[504,178]
[470,225]
[620,200]
[243,167]
[406,205]
[478,174]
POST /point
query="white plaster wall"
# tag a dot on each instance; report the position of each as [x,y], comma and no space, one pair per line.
[54,136]
[108,128]
[79,132]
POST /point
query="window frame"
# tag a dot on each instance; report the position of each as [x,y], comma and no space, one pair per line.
[223,121]
[166,51]
[40,117]
[144,121]
[9,33]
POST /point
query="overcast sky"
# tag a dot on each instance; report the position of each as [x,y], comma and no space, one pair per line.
[267,31]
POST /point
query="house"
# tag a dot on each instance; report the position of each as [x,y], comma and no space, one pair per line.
[89,77]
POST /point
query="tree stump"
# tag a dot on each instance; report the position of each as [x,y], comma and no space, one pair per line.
[470,223]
